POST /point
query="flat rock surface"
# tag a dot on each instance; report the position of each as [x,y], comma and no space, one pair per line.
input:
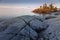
[28,28]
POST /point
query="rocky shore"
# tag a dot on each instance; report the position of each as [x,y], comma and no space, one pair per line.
[28,28]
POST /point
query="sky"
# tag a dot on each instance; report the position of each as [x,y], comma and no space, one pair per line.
[17,7]
[29,1]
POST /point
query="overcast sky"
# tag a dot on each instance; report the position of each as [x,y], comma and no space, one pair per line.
[29,1]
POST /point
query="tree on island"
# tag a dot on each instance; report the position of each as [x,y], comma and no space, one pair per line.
[45,9]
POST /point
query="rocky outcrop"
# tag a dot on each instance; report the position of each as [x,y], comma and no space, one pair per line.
[26,28]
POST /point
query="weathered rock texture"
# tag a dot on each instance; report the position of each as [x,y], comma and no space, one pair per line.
[26,28]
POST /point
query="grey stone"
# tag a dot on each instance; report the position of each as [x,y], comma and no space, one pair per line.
[26,28]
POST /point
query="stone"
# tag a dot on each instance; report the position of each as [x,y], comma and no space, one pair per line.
[26,28]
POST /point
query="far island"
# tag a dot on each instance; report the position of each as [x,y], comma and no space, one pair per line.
[46,9]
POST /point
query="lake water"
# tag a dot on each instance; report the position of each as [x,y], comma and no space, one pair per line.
[14,11]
